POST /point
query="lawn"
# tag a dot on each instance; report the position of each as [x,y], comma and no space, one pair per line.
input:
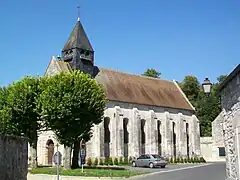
[87,172]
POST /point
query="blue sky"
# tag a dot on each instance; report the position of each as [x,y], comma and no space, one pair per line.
[177,38]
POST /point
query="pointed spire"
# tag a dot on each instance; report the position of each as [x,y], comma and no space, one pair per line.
[78,39]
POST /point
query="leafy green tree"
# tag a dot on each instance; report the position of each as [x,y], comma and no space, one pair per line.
[191,87]
[152,73]
[71,103]
[207,108]
[5,115]
[21,102]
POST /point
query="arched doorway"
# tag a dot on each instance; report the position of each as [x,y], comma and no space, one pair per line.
[126,136]
[187,134]
[174,139]
[143,136]
[50,151]
[106,137]
[159,137]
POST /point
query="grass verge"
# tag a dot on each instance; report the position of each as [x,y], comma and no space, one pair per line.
[87,172]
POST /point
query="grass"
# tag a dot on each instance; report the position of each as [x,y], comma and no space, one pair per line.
[86,172]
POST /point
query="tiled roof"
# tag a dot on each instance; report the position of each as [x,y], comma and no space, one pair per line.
[144,90]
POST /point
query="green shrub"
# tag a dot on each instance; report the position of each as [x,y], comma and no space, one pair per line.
[171,160]
[125,161]
[196,160]
[202,160]
[89,161]
[181,160]
[174,160]
[110,161]
[106,161]
[177,160]
[191,160]
[185,160]
[121,161]
[130,160]
[95,162]
[101,162]
[116,161]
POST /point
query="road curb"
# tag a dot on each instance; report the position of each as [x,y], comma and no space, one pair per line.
[172,170]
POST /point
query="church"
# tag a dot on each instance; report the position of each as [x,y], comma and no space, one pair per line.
[143,115]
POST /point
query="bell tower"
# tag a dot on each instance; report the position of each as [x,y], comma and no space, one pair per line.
[78,51]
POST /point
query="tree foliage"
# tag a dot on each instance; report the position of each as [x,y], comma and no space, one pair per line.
[207,108]
[152,73]
[72,103]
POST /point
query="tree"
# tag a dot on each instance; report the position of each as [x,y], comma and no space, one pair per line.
[21,101]
[152,73]
[191,87]
[71,103]
[5,115]
[207,108]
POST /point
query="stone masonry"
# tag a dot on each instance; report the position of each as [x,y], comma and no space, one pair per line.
[13,158]
[116,112]
[230,100]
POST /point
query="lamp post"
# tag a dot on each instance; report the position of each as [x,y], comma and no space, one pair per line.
[207,85]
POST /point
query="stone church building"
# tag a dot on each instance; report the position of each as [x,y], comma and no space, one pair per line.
[144,114]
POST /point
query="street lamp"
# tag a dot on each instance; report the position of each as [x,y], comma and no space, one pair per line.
[207,85]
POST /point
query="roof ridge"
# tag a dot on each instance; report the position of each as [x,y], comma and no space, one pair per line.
[138,75]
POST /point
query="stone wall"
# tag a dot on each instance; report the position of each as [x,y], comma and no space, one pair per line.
[230,100]
[13,158]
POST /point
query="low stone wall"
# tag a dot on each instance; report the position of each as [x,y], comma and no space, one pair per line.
[13,158]
[210,151]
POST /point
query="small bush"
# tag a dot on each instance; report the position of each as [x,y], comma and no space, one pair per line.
[89,161]
[116,161]
[101,162]
[177,160]
[202,160]
[106,161]
[185,160]
[121,161]
[189,160]
[171,160]
[174,160]
[125,161]
[110,161]
[130,160]
[96,162]
[181,160]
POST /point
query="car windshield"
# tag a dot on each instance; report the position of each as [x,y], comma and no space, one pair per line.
[156,156]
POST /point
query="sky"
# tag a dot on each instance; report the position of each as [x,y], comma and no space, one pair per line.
[177,38]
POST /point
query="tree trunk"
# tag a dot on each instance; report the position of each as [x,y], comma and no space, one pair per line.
[75,157]
[67,157]
[33,155]
[33,150]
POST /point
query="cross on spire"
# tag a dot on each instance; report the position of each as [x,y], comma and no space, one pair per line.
[78,11]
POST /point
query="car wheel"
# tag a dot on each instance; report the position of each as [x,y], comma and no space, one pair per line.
[163,166]
[151,165]
[134,164]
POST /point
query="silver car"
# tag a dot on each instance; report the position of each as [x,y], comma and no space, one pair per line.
[150,160]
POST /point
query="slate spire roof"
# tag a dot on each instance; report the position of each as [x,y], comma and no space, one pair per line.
[78,39]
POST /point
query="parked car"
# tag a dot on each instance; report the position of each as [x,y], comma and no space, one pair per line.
[150,160]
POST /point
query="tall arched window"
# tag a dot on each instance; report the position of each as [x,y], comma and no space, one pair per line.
[107,138]
[174,139]
[159,137]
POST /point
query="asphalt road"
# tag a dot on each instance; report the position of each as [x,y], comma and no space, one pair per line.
[168,167]
[214,171]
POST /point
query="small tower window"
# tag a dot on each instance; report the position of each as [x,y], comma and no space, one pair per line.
[87,53]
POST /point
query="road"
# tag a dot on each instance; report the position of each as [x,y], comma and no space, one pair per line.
[214,171]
